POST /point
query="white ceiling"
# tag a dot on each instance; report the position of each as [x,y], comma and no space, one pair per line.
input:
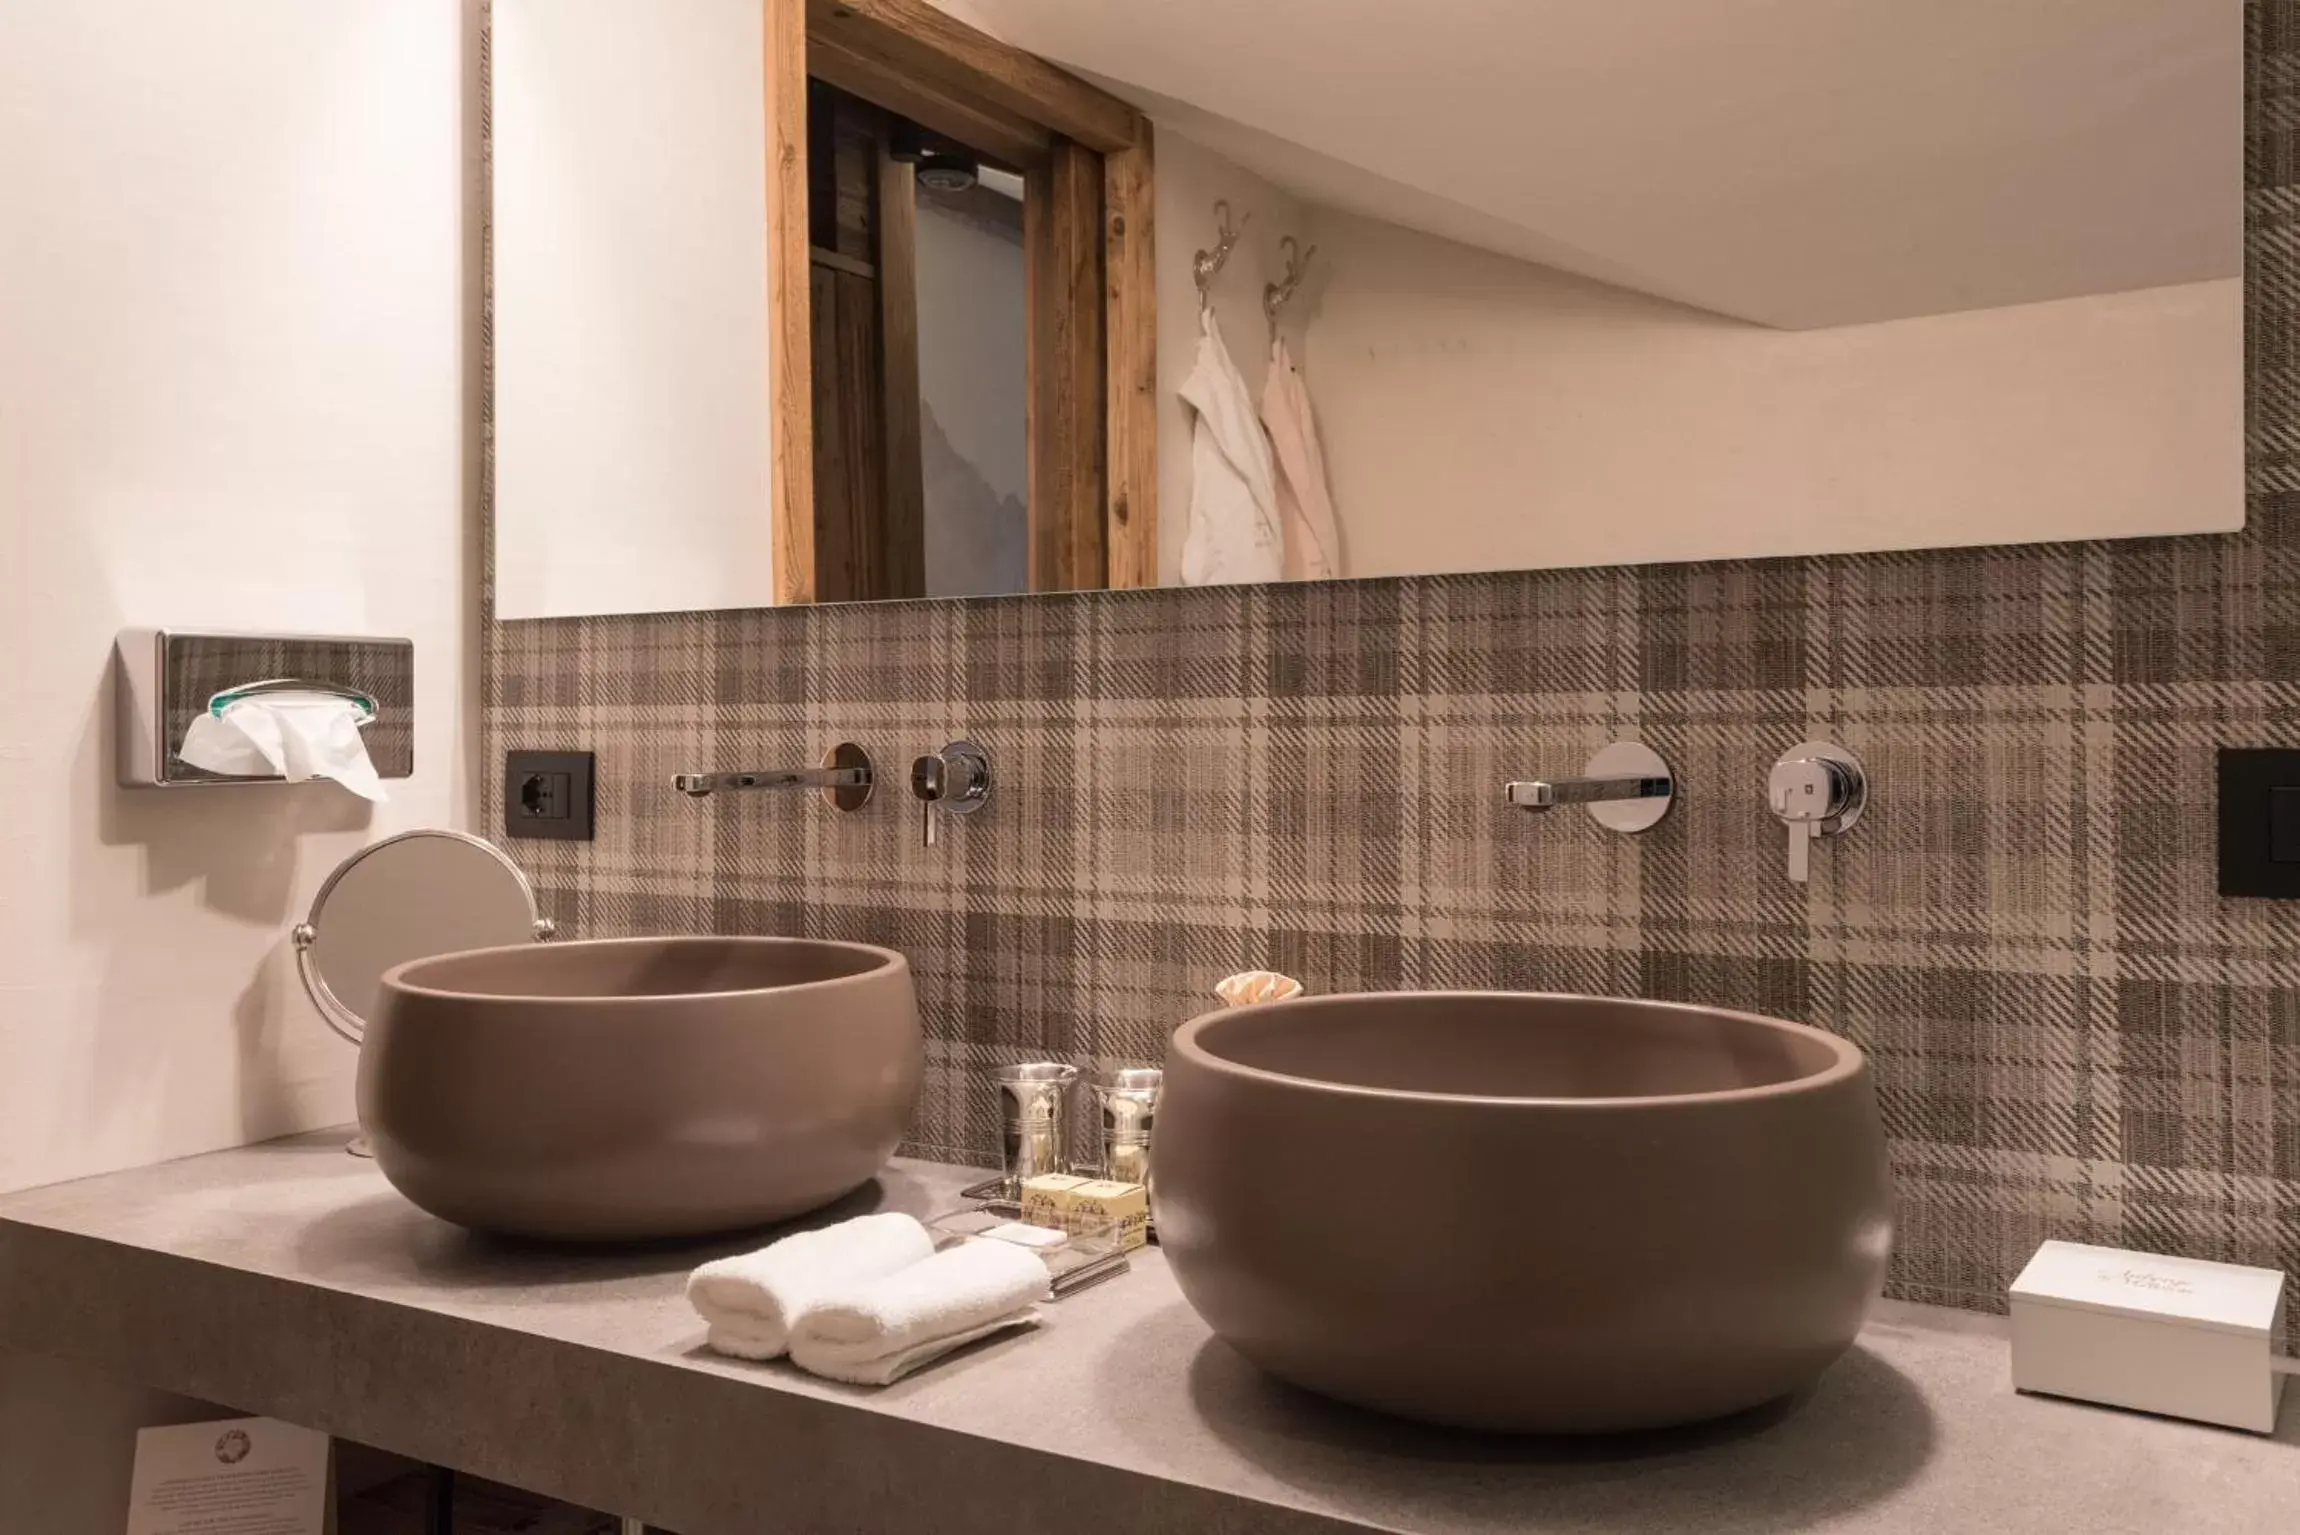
[1794,162]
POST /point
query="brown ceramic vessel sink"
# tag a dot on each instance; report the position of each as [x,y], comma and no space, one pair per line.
[1542,1214]
[639,1088]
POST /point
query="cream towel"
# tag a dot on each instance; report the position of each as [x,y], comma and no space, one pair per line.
[876,1332]
[752,1301]
[1305,505]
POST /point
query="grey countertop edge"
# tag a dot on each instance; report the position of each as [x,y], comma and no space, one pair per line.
[289,1280]
[499,1402]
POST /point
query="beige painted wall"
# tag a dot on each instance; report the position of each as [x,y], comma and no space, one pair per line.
[237,380]
[1797,162]
[1484,413]
[1480,413]
[633,464]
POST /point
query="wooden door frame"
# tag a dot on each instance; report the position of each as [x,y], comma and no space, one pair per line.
[1093,323]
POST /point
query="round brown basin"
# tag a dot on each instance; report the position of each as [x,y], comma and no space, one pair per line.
[1546,1214]
[637,1088]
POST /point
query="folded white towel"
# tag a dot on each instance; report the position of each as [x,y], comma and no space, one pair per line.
[886,1369]
[880,1330]
[739,1342]
[753,1300]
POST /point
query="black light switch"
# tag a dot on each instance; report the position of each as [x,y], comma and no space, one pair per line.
[2260,823]
[547,794]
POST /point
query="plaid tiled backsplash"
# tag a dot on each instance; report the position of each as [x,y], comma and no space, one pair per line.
[2074,1036]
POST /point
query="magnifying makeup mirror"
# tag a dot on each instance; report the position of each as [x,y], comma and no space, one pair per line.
[404,898]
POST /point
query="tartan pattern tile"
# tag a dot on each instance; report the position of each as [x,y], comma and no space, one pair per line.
[2073,1035]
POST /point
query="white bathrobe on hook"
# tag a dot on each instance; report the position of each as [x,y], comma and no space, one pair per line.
[1234,534]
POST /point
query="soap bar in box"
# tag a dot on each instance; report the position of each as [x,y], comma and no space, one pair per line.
[1046,1196]
[1076,1204]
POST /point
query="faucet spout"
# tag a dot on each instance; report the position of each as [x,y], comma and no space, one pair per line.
[1625,787]
[701,784]
[845,778]
[1547,793]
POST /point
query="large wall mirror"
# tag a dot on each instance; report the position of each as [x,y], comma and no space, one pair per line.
[829,300]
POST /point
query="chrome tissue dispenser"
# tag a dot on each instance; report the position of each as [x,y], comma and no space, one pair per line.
[164,677]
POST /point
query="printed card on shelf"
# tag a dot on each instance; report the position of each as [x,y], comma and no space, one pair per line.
[238,1476]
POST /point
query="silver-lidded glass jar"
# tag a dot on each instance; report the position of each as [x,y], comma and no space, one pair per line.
[1034,1120]
[1126,1103]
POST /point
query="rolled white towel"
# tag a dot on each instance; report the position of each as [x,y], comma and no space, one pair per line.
[753,1300]
[878,1331]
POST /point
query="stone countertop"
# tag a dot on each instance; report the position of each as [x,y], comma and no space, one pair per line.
[288,1279]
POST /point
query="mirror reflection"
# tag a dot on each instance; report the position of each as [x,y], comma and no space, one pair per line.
[408,897]
[809,302]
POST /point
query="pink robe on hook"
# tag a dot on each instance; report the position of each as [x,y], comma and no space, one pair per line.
[1313,546]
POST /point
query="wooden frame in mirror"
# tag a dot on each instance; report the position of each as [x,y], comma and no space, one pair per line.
[672,432]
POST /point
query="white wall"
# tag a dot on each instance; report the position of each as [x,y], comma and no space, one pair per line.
[234,382]
[633,462]
[1481,413]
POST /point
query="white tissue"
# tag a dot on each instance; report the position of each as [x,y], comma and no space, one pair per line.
[294,735]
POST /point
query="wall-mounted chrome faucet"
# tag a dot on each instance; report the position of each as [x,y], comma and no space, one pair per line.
[1627,787]
[845,777]
[1818,790]
[953,781]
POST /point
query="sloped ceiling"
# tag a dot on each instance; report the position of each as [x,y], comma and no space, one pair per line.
[1793,162]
